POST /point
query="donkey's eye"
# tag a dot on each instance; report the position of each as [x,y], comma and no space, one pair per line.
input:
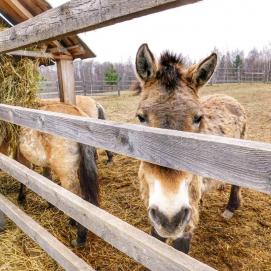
[141,118]
[197,119]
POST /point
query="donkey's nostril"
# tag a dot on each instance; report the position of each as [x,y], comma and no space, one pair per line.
[157,216]
[153,212]
[186,214]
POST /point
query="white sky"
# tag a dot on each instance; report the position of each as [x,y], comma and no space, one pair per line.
[193,30]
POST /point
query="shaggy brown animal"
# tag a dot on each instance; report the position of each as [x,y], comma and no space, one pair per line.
[74,164]
[89,106]
[170,99]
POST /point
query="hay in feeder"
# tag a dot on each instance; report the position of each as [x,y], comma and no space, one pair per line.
[19,79]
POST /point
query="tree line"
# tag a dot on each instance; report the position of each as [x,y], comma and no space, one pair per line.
[231,65]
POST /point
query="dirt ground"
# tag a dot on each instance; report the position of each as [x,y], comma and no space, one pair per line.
[243,243]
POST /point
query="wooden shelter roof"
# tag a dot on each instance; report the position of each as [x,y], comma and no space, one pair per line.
[17,11]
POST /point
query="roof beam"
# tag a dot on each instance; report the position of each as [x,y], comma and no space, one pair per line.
[19,9]
[78,16]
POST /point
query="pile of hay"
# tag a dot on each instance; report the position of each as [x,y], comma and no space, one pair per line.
[19,84]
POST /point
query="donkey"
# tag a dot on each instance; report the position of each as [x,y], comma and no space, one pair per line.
[170,99]
[73,163]
[89,106]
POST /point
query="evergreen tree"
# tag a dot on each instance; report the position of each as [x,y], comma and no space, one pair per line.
[238,62]
[111,76]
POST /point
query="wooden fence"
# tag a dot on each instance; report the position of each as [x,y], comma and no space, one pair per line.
[50,89]
[240,162]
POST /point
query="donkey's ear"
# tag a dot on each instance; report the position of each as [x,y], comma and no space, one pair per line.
[146,66]
[201,73]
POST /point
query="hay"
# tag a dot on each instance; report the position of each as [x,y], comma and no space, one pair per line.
[19,85]
[19,79]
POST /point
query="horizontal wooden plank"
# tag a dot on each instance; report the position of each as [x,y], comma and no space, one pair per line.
[77,16]
[145,249]
[240,162]
[64,256]
[31,54]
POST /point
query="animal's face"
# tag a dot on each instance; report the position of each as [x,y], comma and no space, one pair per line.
[167,195]
[169,100]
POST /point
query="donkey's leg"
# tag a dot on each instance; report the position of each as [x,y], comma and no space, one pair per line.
[21,195]
[234,202]
[183,244]
[46,172]
[110,156]
[157,236]
[21,159]
[2,221]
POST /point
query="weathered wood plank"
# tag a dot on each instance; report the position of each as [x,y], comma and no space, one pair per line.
[77,16]
[145,249]
[64,256]
[240,162]
[66,80]
[31,54]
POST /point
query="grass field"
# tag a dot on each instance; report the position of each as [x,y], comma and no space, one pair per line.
[243,243]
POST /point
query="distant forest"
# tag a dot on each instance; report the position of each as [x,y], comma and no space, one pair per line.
[256,61]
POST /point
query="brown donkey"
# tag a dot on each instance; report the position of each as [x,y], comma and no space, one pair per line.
[74,164]
[170,99]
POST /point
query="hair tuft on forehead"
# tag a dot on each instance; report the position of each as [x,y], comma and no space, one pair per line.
[169,74]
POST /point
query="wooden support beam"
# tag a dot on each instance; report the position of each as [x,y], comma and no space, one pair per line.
[78,16]
[66,80]
[15,9]
[140,246]
[240,162]
[31,54]
[19,8]
[65,257]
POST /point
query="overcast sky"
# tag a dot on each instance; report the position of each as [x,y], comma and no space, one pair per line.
[193,30]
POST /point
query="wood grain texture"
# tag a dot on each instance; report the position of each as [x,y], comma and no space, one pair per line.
[65,74]
[77,16]
[65,257]
[140,246]
[31,54]
[241,162]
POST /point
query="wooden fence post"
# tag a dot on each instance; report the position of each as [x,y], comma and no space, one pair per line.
[66,80]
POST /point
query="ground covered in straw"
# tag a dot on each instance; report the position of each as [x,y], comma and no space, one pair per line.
[243,243]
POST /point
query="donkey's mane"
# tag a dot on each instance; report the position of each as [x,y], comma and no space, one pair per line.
[169,58]
[169,73]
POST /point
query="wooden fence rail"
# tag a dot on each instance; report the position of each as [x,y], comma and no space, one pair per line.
[64,256]
[140,246]
[78,16]
[240,162]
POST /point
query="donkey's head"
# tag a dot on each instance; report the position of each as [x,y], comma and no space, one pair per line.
[169,100]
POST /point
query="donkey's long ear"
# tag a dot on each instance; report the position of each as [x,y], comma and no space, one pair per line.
[200,74]
[146,66]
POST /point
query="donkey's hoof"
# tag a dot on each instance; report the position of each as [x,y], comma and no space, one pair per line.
[227,214]
[77,244]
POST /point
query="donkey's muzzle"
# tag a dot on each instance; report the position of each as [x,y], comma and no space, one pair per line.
[170,224]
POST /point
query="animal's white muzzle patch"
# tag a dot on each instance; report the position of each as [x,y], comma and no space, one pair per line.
[169,211]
